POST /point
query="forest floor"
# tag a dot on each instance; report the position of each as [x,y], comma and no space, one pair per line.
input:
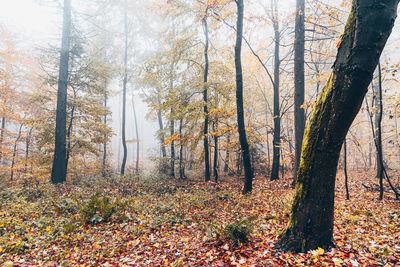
[154,222]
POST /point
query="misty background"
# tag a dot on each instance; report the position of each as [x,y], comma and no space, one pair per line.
[38,24]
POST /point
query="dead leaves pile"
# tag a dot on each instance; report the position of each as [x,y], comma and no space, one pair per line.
[166,223]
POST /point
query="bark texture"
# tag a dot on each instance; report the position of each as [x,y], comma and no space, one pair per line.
[244,145]
[311,222]
[205,99]
[346,176]
[28,141]
[299,116]
[161,134]
[15,147]
[378,125]
[2,130]
[105,121]
[137,136]
[59,168]
[124,84]
[182,174]
[172,146]
[216,154]
[276,142]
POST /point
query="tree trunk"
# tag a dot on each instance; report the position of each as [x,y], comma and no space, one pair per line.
[346,176]
[171,119]
[299,115]
[137,136]
[15,152]
[3,128]
[59,170]
[205,99]
[227,155]
[277,117]
[367,30]
[216,151]
[119,132]
[380,157]
[267,143]
[181,163]
[69,134]
[370,153]
[239,162]
[379,148]
[125,82]
[172,132]
[27,146]
[244,145]
[161,134]
[104,163]
[377,117]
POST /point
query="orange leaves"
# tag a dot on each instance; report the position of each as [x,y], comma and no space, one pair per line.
[220,113]
[213,3]
[171,224]
[169,140]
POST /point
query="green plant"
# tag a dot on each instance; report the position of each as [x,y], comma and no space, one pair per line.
[223,196]
[32,194]
[6,196]
[69,227]
[66,206]
[214,231]
[98,209]
[238,232]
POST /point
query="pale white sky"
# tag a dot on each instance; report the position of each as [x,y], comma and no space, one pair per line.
[38,21]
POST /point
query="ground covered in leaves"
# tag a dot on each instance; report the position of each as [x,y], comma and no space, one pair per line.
[155,222]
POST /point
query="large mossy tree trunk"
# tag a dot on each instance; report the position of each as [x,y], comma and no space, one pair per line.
[311,221]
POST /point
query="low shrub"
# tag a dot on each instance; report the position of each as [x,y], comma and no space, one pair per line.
[66,206]
[238,232]
[99,209]
[32,194]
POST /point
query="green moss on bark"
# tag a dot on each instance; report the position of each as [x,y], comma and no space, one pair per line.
[311,222]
